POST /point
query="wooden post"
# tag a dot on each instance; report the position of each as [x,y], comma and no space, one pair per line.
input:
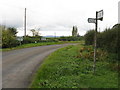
[95,44]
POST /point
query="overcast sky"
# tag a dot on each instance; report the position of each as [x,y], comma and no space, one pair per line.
[57,16]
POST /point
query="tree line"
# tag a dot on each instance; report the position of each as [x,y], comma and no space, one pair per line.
[10,39]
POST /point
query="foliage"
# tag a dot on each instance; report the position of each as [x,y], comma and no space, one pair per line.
[35,32]
[12,30]
[87,52]
[70,38]
[108,40]
[9,38]
[74,31]
[51,40]
[31,39]
[89,37]
[39,44]
[63,69]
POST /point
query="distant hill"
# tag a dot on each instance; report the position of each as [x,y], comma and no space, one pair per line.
[51,36]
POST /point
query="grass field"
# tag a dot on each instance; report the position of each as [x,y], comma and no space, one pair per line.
[37,44]
[72,67]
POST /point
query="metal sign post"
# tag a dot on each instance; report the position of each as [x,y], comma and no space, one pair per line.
[99,16]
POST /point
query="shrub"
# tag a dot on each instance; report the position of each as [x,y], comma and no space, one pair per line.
[52,40]
[71,38]
[29,39]
[89,37]
[108,40]
[8,40]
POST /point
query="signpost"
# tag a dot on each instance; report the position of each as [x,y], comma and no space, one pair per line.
[91,20]
[99,16]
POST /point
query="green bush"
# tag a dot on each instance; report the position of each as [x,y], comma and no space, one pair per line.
[71,38]
[8,40]
[89,37]
[52,40]
[29,39]
[108,40]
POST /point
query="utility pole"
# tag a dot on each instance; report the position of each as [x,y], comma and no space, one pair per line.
[25,23]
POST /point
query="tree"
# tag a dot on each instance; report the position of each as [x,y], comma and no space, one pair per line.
[35,32]
[8,37]
[13,30]
[74,31]
[8,40]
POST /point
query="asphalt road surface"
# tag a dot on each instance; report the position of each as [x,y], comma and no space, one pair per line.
[18,66]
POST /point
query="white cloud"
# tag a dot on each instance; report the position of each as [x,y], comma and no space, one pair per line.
[57,15]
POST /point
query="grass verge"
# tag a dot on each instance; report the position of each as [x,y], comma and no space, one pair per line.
[71,67]
[38,44]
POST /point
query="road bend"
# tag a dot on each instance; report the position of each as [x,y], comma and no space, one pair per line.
[18,66]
